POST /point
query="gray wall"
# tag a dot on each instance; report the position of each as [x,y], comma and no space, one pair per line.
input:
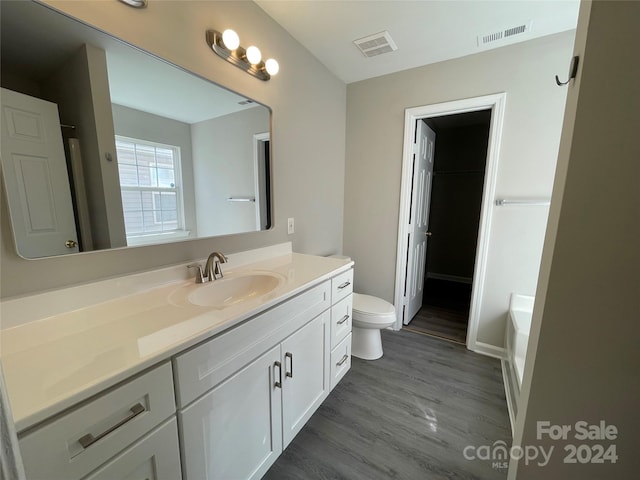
[308,138]
[583,357]
[80,88]
[134,123]
[223,167]
[533,120]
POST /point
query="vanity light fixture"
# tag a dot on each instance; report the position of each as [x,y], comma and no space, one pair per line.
[227,46]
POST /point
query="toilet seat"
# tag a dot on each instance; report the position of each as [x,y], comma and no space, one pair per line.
[372,310]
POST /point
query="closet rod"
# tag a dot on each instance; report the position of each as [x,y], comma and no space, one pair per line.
[505,201]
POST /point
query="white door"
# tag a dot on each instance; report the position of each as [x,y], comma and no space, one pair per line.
[235,430]
[305,381]
[36,178]
[423,151]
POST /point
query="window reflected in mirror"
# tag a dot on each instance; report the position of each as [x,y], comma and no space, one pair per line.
[109,162]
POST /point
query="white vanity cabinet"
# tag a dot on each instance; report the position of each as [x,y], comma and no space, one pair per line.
[305,375]
[341,324]
[223,408]
[154,457]
[234,430]
[249,412]
[239,428]
[74,444]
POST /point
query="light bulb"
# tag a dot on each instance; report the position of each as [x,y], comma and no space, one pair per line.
[230,39]
[272,67]
[253,55]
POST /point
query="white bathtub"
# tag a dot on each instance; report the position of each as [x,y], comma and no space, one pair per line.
[516,341]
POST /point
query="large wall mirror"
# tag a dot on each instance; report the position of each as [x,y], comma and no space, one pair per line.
[105,146]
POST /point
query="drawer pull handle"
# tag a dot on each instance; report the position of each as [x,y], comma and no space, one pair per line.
[344,285]
[279,382]
[87,440]
[342,360]
[343,319]
[290,356]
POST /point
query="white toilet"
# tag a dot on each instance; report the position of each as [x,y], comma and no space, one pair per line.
[370,315]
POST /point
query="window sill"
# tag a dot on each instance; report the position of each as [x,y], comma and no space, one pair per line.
[157,238]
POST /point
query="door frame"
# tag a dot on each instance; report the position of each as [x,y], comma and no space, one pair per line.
[258,140]
[495,103]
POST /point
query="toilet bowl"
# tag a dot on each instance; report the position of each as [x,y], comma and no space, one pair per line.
[370,315]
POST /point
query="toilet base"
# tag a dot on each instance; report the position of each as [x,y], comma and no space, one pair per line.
[366,343]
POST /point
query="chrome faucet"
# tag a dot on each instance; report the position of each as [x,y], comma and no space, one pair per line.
[212,269]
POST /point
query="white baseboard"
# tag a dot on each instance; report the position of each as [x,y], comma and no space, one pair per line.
[509,394]
[488,349]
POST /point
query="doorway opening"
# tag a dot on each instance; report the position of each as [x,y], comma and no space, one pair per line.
[453,220]
[449,280]
[261,175]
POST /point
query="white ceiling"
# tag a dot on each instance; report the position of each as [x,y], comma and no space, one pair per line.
[425,31]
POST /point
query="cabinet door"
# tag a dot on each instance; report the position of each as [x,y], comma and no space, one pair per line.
[305,376]
[234,431]
[154,457]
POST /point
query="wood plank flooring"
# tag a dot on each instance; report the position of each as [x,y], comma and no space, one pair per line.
[408,415]
[445,322]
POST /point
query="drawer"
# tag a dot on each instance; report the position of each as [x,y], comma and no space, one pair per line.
[340,361]
[154,457]
[341,320]
[204,367]
[81,440]
[341,286]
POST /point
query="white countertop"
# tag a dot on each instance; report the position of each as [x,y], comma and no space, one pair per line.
[53,363]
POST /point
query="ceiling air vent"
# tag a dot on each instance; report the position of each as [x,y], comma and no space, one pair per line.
[503,34]
[377,44]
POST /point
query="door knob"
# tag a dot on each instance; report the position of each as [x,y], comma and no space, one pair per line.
[71,244]
[428,234]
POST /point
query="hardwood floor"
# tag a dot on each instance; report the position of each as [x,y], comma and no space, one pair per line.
[445,310]
[408,415]
[444,322]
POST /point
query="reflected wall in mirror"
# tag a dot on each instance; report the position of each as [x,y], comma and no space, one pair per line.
[105,146]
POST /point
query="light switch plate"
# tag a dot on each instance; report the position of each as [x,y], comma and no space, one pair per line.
[290,226]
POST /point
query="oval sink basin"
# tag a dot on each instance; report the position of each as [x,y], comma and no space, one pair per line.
[225,292]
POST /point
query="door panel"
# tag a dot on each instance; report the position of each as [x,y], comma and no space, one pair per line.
[424,149]
[36,178]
